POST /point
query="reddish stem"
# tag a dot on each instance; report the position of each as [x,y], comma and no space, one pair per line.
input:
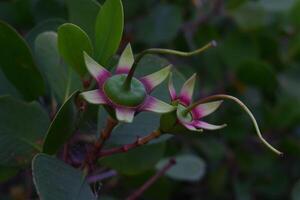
[152,180]
[105,134]
[127,147]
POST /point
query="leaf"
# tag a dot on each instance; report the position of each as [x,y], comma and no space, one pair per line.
[84,13]
[265,77]
[160,26]
[22,129]
[17,64]
[6,88]
[62,80]
[109,30]
[72,42]
[45,10]
[250,15]
[7,173]
[62,126]
[47,25]
[296,191]
[187,168]
[54,179]
[136,160]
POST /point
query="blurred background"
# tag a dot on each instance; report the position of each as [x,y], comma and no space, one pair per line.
[257,60]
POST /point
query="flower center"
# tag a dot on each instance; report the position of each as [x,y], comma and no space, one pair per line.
[181,114]
[113,88]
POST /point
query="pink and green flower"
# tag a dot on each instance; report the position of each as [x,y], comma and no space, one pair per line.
[122,92]
[191,119]
[188,115]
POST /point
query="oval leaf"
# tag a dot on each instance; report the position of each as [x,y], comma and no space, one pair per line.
[22,129]
[187,168]
[54,179]
[72,42]
[62,80]
[61,127]
[109,30]
[17,63]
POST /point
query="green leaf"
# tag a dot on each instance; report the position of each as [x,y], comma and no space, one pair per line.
[22,129]
[62,80]
[84,13]
[250,15]
[62,126]
[109,30]
[54,179]
[45,10]
[6,88]
[265,77]
[47,25]
[7,173]
[72,42]
[187,168]
[17,63]
[160,26]
[137,160]
[296,191]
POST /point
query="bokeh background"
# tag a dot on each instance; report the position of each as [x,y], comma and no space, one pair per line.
[257,60]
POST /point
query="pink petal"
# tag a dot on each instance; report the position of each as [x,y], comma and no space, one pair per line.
[207,126]
[125,114]
[205,109]
[153,80]
[171,87]
[126,61]
[96,70]
[187,90]
[154,105]
[94,97]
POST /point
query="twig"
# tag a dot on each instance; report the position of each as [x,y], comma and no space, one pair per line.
[152,180]
[91,156]
[102,176]
[127,147]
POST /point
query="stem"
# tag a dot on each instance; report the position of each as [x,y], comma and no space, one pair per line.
[152,180]
[243,106]
[127,83]
[105,134]
[127,147]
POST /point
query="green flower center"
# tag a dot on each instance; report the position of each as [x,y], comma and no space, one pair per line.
[182,115]
[113,88]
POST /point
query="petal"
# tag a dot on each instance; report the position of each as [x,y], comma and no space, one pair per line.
[124,114]
[205,109]
[96,70]
[126,61]
[153,80]
[171,87]
[190,126]
[154,105]
[94,97]
[207,126]
[187,90]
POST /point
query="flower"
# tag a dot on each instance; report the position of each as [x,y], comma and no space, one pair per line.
[188,115]
[122,92]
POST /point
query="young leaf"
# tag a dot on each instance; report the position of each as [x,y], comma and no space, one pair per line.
[62,80]
[72,42]
[187,168]
[84,13]
[54,179]
[17,63]
[23,127]
[61,127]
[109,30]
